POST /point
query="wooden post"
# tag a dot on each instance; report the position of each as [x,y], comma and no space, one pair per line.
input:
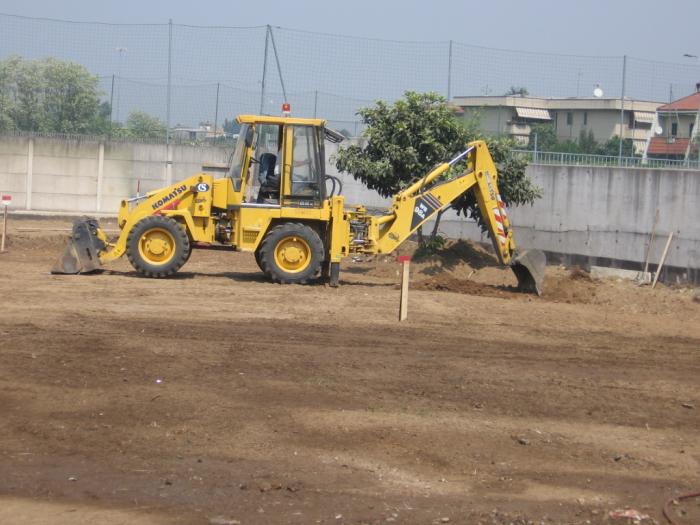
[405,261]
[663,259]
[651,241]
[4,225]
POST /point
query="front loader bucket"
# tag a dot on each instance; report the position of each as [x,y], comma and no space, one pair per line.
[82,252]
[528,268]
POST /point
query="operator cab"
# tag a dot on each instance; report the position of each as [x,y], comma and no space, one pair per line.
[281,162]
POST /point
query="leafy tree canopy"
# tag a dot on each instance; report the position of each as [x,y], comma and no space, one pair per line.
[408,138]
[50,95]
[141,125]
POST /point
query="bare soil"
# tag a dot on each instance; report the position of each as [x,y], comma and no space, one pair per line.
[217,397]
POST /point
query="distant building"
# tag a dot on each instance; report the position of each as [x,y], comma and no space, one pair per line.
[204,131]
[514,115]
[676,129]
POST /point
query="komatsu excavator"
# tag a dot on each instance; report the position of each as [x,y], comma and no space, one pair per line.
[275,203]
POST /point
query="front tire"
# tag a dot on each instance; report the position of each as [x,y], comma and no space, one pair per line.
[157,246]
[291,253]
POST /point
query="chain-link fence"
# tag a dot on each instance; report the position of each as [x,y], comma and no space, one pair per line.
[186,75]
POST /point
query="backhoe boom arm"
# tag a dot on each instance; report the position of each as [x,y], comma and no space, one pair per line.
[425,198]
[433,193]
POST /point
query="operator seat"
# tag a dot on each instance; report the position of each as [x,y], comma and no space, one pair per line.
[269,180]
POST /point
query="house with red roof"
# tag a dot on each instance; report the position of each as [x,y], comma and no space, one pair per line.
[676,129]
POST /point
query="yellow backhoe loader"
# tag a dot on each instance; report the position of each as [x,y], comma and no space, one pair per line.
[275,203]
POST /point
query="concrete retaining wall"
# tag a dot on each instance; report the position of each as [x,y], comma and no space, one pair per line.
[604,216]
[82,175]
[588,215]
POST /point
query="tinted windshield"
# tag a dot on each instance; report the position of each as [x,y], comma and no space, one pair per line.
[237,157]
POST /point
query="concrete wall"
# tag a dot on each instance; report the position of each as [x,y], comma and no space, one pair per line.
[588,215]
[81,175]
[605,215]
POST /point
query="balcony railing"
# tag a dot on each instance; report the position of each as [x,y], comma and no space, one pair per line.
[581,159]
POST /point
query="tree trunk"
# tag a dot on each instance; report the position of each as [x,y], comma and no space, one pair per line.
[437,224]
[419,232]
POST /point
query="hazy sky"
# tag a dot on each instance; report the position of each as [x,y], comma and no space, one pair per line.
[333,75]
[652,29]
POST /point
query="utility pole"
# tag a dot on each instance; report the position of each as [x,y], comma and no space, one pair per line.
[111,105]
[264,74]
[122,51]
[449,73]
[216,112]
[315,102]
[170,81]
[622,107]
[277,61]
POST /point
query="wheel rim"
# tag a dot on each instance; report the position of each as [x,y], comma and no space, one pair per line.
[157,246]
[293,254]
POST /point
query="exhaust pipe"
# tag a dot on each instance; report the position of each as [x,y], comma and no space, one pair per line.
[82,254]
[528,268]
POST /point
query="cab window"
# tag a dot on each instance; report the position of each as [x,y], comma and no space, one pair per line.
[306,170]
[264,181]
[245,138]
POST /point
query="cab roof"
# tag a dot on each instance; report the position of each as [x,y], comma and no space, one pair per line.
[266,119]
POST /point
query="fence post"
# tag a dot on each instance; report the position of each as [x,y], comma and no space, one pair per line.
[262,85]
[622,107]
[216,112]
[170,80]
[534,157]
[100,174]
[111,105]
[449,73]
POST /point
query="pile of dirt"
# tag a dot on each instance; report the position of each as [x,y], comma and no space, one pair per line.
[574,286]
[460,260]
[447,283]
[468,268]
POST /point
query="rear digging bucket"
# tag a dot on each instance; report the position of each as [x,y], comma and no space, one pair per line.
[528,268]
[82,252]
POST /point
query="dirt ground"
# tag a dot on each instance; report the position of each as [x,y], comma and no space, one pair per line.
[217,397]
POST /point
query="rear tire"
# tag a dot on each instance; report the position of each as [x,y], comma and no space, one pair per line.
[157,246]
[257,260]
[291,253]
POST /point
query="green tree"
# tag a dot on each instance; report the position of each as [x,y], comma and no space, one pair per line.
[612,147]
[546,136]
[49,95]
[408,138]
[140,125]
[587,143]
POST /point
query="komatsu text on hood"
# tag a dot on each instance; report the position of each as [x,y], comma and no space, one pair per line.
[170,196]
